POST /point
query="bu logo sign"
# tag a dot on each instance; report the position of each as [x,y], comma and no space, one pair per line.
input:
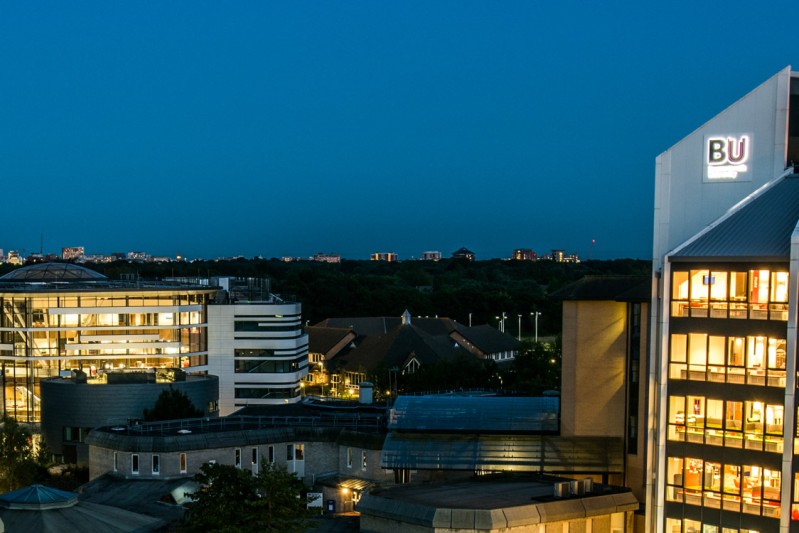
[727,156]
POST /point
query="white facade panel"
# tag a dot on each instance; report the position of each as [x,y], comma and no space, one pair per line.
[685,201]
[223,341]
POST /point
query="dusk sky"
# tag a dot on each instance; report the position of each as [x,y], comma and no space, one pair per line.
[289,128]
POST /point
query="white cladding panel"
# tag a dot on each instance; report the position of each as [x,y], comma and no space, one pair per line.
[685,202]
[222,343]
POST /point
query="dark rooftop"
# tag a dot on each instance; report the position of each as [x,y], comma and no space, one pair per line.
[607,288]
[494,502]
[758,229]
[52,272]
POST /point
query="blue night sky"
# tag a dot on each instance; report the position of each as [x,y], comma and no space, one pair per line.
[289,128]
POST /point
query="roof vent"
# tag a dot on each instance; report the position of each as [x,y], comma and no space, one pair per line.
[562,489]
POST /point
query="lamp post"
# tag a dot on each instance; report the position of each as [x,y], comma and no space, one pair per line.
[519,333]
[536,315]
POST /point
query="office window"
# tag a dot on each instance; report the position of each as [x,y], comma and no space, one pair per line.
[299,452]
[349,457]
[238,458]
[116,461]
[271,455]
[183,465]
[134,464]
[156,465]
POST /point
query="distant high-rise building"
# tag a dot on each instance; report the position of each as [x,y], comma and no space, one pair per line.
[431,256]
[524,254]
[557,256]
[571,258]
[327,258]
[70,253]
[391,257]
[463,253]
[138,256]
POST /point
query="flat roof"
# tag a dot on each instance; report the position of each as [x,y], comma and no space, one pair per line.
[492,502]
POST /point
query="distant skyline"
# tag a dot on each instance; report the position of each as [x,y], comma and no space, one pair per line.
[290,128]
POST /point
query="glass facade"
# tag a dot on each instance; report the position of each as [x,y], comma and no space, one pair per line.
[725,407]
[47,328]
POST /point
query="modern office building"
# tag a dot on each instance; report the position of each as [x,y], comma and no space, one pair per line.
[722,374]
[59,317]
[391,257]
[260,352]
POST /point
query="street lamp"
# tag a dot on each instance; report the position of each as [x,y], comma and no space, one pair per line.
[536,314]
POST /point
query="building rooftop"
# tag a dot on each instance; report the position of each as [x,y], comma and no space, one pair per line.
[491,503]
[66,277]
[758,228]
[607,288]
[52,272]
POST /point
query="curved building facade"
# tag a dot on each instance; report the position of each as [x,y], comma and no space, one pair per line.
[58,317]
[71,407]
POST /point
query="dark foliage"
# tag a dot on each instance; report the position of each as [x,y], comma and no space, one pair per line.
[172,404]
[447,288]
[233,500]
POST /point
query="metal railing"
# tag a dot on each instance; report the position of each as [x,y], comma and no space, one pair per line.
[242,423]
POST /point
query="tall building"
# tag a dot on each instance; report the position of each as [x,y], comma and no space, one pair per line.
[431,256]
[327,258]
[722,374]
[72,252]
[524,254]
[391,257]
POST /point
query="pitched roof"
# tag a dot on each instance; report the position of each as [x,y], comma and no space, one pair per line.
[606,288]
[380,325]
[758,228]
[324,339]
[397,347]
[37,497]
[488,339]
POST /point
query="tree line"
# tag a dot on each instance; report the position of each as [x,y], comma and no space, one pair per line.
[451,288]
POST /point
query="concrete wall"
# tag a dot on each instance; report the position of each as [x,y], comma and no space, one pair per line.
[594,366]
[66,403]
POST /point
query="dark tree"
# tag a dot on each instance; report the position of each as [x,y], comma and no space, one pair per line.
[172,404]
[233,500]
[19,463]
[536,367]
